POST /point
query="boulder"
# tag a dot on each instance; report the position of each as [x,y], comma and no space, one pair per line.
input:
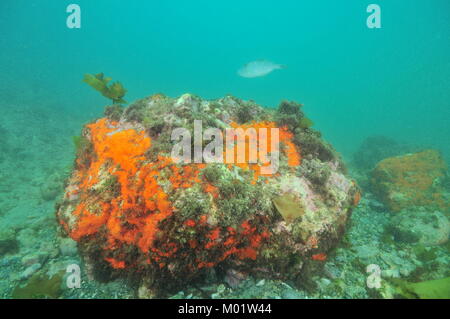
[136,211]
[68,247]
[420,226]
[411,180]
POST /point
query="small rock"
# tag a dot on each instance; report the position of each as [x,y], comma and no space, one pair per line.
[179,295]
[376,205]
[221,288]
[35,258]
[68,247]
[421,226]
[285,285]
[27,273]
[8,242]
[261,283]
[367,253]
[391,273]
[145,293]
[27,238]
[291,294]
[50,248]
[234,278]
[325,282]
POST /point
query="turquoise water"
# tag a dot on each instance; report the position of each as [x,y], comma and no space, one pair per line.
[355,82]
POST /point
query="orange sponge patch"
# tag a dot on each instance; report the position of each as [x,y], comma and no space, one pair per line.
[285,137]
[133,216]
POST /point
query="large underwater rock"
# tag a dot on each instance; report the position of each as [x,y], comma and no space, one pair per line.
[134,212]
[411,180]
[421,226]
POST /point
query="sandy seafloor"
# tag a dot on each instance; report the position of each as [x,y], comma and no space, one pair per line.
[39,150]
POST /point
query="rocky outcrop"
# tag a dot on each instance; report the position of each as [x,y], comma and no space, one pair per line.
[411,180]
[136,212]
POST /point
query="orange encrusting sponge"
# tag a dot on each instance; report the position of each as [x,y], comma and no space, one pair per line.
[133,215]
[285,137]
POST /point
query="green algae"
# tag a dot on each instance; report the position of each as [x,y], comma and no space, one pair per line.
[424,253]
[193,203]
[244,114]
[239,200]
[431,289]
[83,149]
[289,114]
[80,142]
[99,82]
[212,173]
[292,108]
[306,123]
[288,207]
[40,286]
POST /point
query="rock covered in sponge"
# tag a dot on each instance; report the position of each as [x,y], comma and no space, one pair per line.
[416,179]
[135,212]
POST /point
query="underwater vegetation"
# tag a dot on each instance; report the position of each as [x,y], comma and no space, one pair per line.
[135,213]
[80,143]
[288,206]
[114,91]
[431,289]
[40,286]
[306,123]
